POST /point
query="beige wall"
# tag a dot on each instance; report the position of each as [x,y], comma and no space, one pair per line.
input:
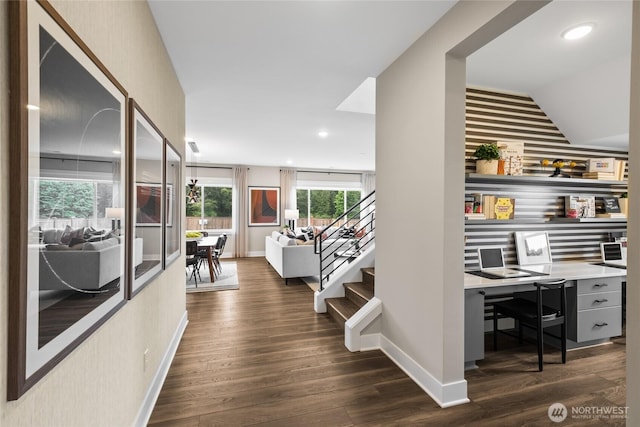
[633,230]
[102,382]
[420,151]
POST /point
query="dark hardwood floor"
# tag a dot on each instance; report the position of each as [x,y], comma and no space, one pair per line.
[261,356]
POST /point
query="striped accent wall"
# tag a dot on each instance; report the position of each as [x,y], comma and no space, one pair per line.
[539,201]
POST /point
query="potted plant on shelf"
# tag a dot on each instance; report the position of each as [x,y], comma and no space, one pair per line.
[487,156]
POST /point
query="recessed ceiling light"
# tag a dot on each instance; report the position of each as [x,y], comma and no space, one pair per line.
[117,152]
[577,32]
[198,154]
[32,107]
[289,162]
[323,134]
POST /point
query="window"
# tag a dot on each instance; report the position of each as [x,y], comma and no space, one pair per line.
[320,208]
[77,203]
[212,211]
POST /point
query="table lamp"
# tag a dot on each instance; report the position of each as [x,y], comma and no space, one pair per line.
[291,215]
[116,214]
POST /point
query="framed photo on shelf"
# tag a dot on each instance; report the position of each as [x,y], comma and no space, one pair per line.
[264,206]
[533,247]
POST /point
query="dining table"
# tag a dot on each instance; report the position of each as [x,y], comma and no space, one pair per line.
[209,243]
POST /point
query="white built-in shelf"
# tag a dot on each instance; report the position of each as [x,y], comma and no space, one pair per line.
[545,180]
[576,220]
[525,221]
[505,221]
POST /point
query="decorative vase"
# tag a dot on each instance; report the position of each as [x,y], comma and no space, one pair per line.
[487,167]
[624,205]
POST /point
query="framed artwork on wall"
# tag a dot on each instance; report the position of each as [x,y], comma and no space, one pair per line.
[264,206]
[148,205]
[173,180]
[532,247]
[148,198]
[67,270]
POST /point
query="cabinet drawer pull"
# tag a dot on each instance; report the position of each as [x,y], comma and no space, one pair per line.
[482,292]
[599,301]
[601,324]
[600,285]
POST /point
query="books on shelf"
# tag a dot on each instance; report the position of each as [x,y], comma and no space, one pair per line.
[611,215]
[614,170]
[580,206]
[599,175]
[608,207]
[512,152]
[498,207]
[606,165]
[474,216]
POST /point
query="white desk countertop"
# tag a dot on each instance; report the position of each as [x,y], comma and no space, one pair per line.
[560,270]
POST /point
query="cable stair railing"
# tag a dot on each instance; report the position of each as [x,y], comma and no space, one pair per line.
[352,233]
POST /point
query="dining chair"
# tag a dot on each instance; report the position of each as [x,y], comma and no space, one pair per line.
[193,261]
[217,253]
[536,315]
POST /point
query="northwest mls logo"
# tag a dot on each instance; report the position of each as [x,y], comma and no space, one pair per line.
[557,412]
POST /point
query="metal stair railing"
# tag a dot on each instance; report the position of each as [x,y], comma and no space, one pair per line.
[356,232]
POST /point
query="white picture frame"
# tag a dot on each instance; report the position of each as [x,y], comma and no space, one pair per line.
[533,247]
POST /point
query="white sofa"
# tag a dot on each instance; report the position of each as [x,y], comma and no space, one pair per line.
[290,259]
[89,266]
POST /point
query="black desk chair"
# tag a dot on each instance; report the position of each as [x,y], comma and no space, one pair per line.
[536,315]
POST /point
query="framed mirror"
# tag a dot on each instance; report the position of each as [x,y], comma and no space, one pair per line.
[148,213]
[67,263]
[173,188]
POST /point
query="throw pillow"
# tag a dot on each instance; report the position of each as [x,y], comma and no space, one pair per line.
[66,235]
[76,241]
[51,236]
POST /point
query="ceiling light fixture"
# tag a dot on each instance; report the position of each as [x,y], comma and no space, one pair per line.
[32,107]
[323,134]
[577,32]
[117,152]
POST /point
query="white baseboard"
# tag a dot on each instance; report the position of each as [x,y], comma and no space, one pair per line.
[370,342]
[161,374]
[445,395]
[253,254]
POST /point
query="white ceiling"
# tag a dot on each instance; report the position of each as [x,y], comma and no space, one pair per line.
[582,85]
[262,78]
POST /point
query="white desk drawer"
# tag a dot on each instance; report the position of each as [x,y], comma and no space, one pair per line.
[606,284]
[599,300]
[599,323]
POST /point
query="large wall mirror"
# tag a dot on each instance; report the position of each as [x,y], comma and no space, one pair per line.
[148,215]
[173,184]
[67,193]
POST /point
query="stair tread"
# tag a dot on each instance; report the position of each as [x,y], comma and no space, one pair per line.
[369,270]
[365,290]
[345,307]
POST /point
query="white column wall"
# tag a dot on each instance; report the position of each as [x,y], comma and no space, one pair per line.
[419,169]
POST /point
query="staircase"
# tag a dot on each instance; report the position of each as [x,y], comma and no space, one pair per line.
[357,294]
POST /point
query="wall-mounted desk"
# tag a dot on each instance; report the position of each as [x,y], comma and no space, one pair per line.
[594,302]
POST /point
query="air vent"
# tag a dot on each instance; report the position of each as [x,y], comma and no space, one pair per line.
[194,146]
